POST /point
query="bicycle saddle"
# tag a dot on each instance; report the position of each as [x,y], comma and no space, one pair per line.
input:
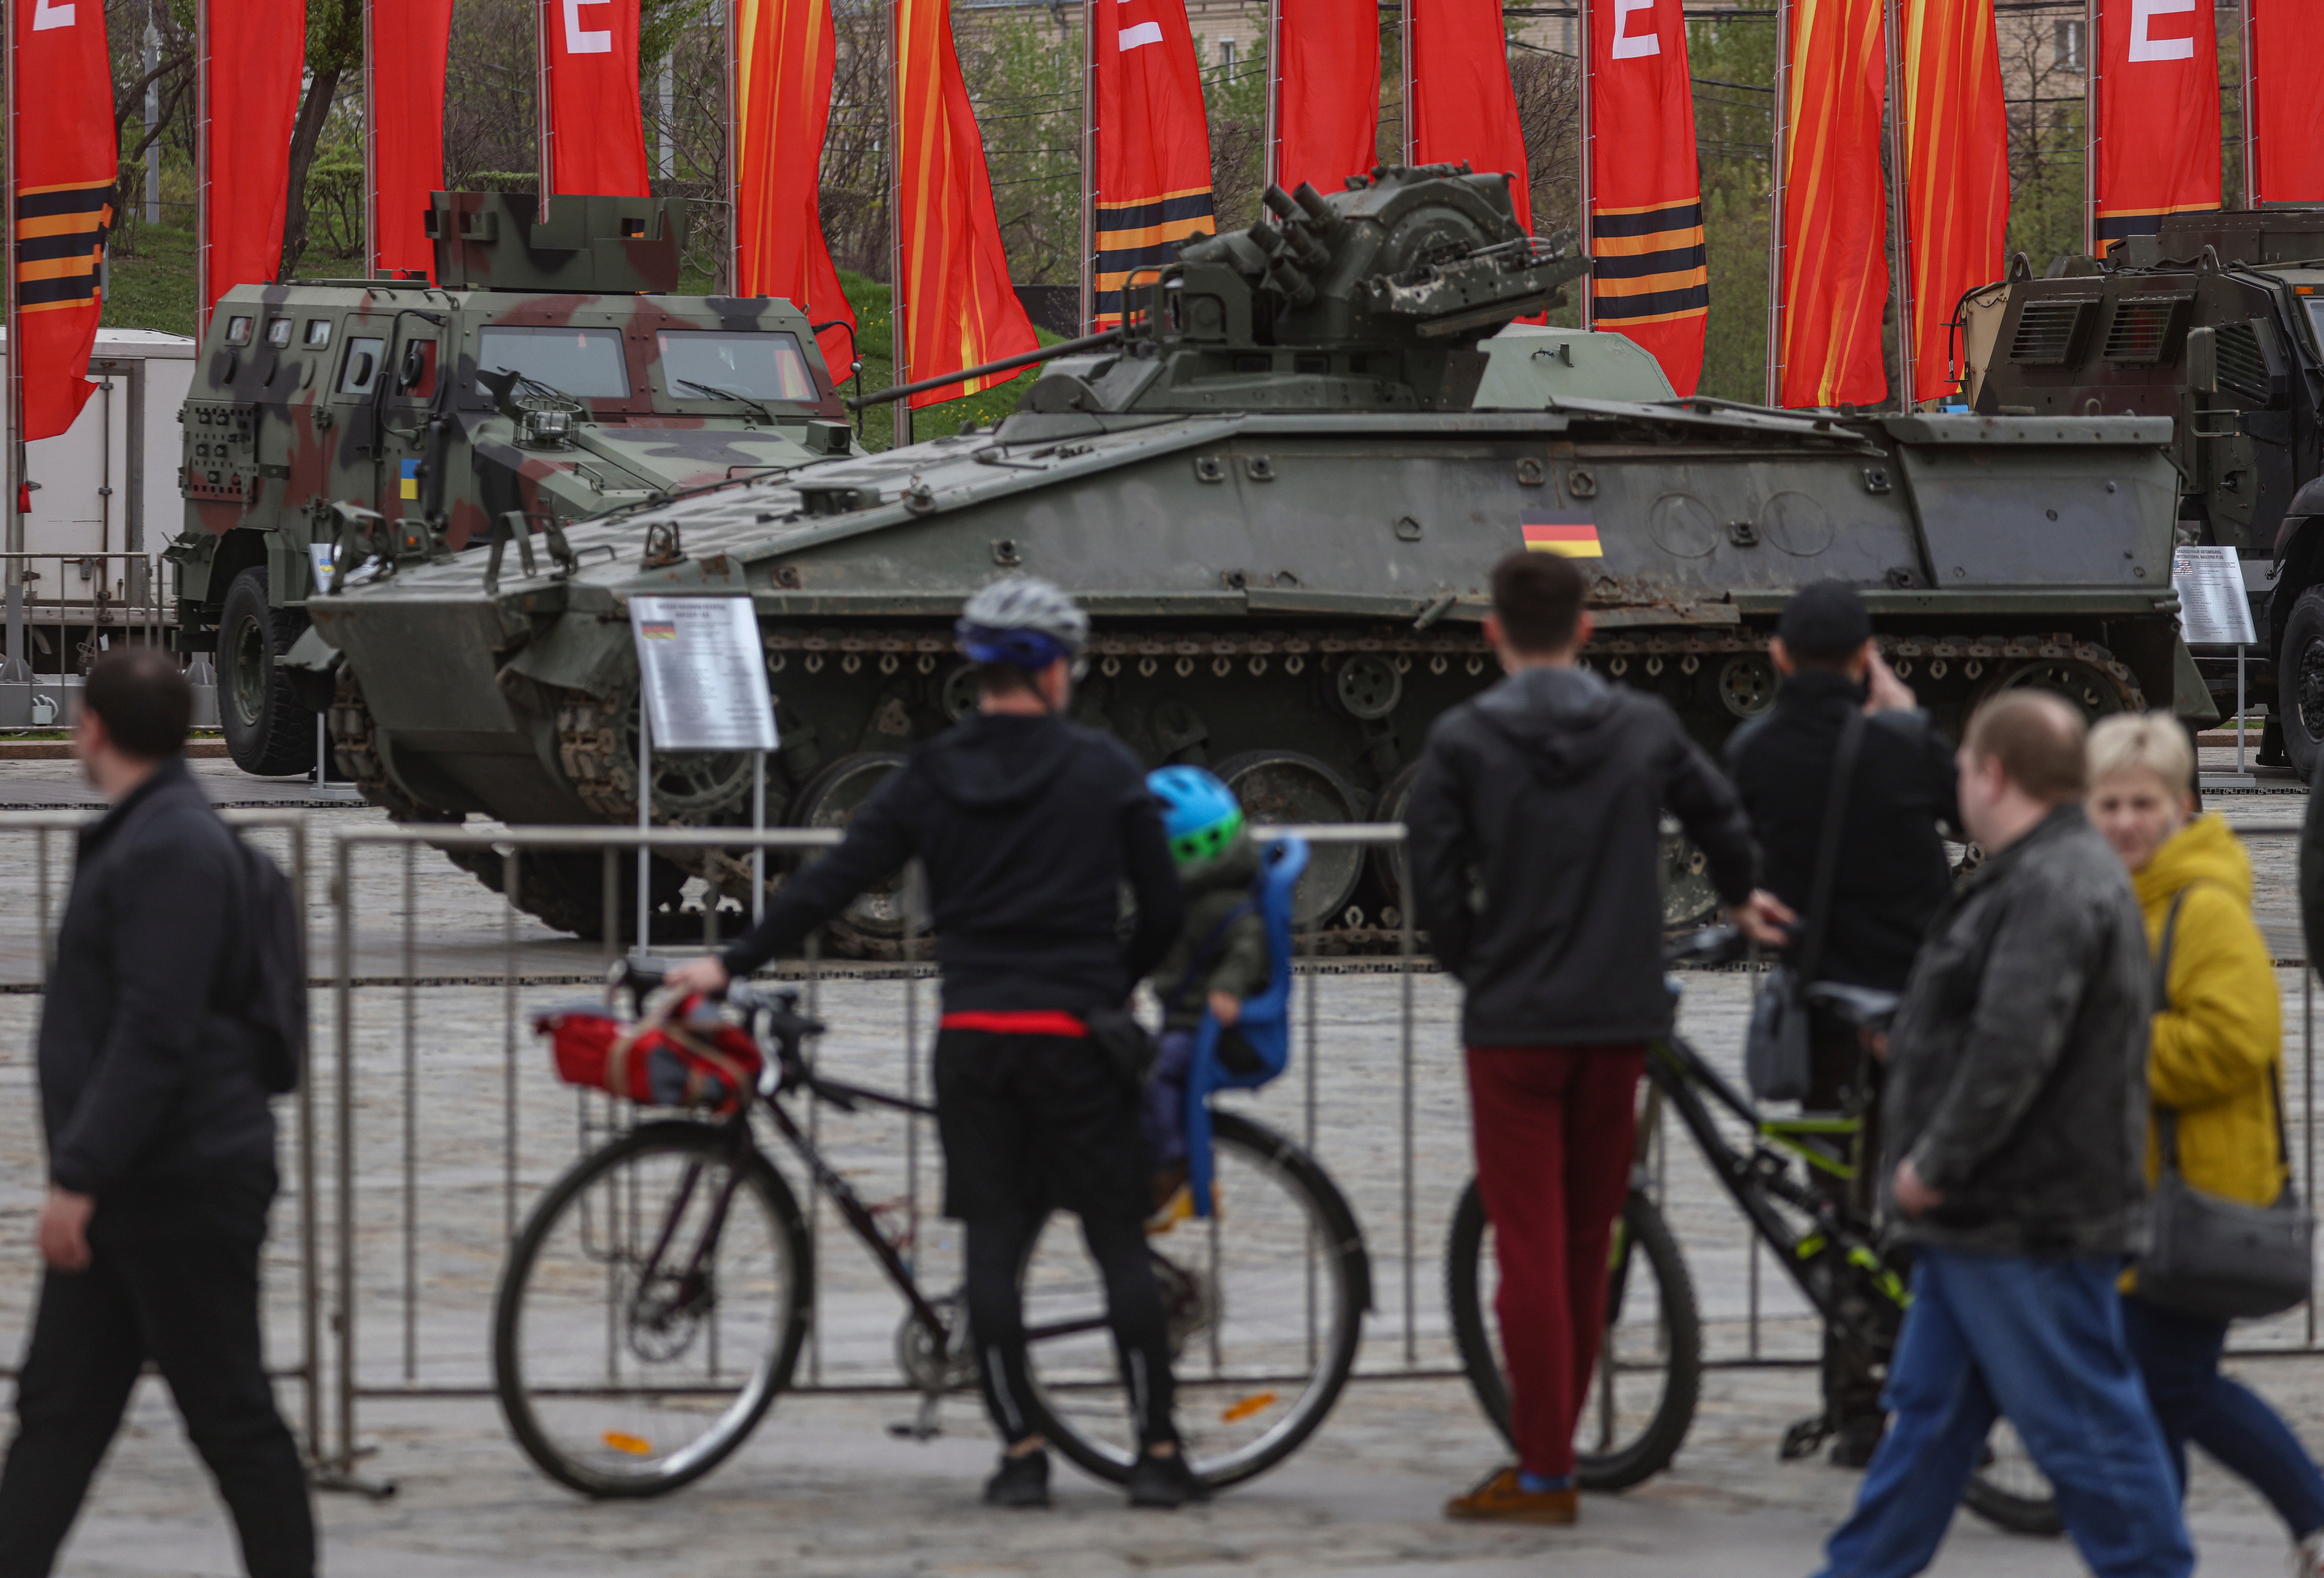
[1861,1007]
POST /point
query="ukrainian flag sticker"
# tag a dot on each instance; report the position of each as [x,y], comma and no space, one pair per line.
[411,481]
[1572,539]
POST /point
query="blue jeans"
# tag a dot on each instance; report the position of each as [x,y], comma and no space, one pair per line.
[2178,1357]
[1162,1107]
[2039,1342]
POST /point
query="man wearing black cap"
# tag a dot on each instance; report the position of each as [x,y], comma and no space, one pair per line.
[1890,871]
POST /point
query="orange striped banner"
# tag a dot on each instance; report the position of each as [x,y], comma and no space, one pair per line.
[955,305]
[1649,275]
[65,161]
[1957,173]
[784,52]
[1152,185]
[1834,281]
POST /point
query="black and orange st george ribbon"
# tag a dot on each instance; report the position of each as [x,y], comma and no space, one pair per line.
[61,122]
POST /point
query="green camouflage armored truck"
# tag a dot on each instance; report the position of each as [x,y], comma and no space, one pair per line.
[1279,493]
[549,374]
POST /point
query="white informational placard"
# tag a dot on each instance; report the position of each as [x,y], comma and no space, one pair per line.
[2214,609]
[704,673]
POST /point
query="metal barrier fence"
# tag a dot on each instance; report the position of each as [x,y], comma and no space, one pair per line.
[443,1120]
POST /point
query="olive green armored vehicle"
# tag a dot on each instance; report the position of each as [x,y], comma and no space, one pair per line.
[1279,493]
[2217,326]
[548,373]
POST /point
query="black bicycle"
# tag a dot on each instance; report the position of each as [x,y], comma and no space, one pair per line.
[656,1301]
[1649,1371]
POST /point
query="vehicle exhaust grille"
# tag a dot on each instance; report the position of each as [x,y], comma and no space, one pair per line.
[2049,332]
[2243,366]
[2141,331]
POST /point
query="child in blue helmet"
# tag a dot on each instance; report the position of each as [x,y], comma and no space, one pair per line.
[1220,956]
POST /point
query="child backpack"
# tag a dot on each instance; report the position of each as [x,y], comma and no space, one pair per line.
[1264,1026]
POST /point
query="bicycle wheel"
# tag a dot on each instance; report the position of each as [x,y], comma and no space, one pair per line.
[1266,1301]
[650,1310]
[1649,1371]
[2008,1491]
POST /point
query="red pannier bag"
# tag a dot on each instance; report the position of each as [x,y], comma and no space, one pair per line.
[686,1058]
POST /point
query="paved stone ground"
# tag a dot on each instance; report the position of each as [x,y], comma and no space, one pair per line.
[458,1125]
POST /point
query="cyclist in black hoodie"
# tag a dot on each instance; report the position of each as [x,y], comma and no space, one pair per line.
[1027,826]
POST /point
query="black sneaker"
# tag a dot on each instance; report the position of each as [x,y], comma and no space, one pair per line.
[1165,1481]
[1855,1442]
[1019,1482]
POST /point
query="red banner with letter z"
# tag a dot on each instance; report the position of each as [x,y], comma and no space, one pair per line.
[65,166]
[1327,79]
[1649,274]
[784,56]
[2157,86]
[2285,74]
[1153,185]
[1463,105]
[410,40]
[594,138]
[254,53]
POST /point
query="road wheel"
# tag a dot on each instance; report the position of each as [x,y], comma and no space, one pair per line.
[2299,682]
[268,730]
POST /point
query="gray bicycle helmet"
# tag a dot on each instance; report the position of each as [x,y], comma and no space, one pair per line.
[1023,621]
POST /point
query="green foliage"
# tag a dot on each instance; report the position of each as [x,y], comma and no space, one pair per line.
[1024,74]
[153,286]
[1734,126]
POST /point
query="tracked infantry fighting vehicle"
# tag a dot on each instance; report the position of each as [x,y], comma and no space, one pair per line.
[1279,494]
[548,370]
[2213,324]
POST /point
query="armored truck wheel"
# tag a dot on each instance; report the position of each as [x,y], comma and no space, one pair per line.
[268,730]
[2299,682]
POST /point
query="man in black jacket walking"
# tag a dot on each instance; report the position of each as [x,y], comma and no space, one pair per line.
[161,1149]
[1889,875]
[2017,1100]
[1534,831]
[1028,828]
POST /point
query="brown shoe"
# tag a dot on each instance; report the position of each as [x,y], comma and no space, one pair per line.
[1500,1498]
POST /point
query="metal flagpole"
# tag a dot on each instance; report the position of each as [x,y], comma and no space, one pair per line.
[1087,272]
[370,144]
[1775,195]
[11,466]
[2248,70]
[202,169]
[734,150]
[902,350]
[1405,33]
[1900,209]
[1589,146]
[2092,17]
[542,133]
[1271,164]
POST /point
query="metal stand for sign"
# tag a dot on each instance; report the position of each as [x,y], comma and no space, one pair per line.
[645,822]
[2215,611]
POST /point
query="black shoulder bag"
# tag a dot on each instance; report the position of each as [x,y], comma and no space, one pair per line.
[1778,1054]
[2215,1257]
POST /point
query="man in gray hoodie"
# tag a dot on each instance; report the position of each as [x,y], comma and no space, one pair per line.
[2017,1100]
[1535,842]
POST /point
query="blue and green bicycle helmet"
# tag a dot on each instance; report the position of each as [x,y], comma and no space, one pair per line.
[1199,815]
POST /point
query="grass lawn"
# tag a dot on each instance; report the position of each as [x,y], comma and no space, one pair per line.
[152,287]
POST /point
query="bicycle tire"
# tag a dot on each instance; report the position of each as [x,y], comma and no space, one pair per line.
[1645,1232]
[757,1394]
[1344,1259]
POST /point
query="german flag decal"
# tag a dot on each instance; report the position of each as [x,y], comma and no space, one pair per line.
[60,242]
[1570,539]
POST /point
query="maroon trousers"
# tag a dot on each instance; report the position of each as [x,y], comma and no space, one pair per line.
[1554,1128]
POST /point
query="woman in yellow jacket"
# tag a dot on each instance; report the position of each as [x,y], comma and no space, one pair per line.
[2215,1059]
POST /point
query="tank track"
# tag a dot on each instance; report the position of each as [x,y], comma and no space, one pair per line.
[604,771]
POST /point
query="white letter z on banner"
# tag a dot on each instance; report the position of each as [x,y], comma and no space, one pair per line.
[579,42]
[1629,46]
[2143,13]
